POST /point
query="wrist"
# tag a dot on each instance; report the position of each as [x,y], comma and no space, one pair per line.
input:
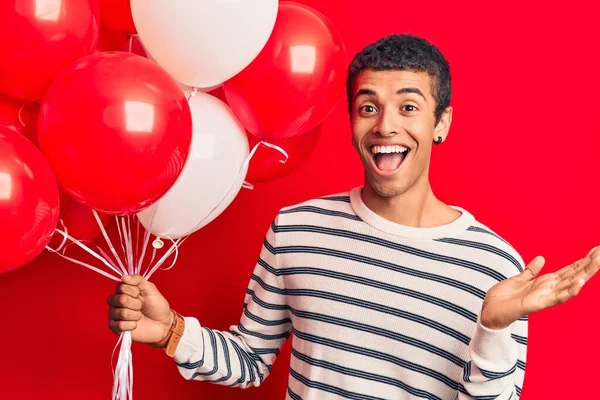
[168,326]
[494,325]
[169,323]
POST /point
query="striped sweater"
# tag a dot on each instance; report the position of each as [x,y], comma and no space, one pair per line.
[376,310]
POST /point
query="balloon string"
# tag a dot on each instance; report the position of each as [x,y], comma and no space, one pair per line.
[109,242]
[59,248]
[90,251]
[130,42]
[123,375]
[120,233]
[130,241]
[137,237]
[279,149]
[138,268]
[250,186]
[19,116]
[128,250]
[193,93]
[174,248]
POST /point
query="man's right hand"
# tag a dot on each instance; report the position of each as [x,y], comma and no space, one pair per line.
[138,306]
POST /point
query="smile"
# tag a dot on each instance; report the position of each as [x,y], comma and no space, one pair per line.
[387,160]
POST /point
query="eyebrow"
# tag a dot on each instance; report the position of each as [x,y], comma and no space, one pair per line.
[412,90]
[369,92]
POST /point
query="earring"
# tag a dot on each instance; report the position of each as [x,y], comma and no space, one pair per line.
[438,141]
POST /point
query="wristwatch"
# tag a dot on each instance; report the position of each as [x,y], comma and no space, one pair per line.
[172,338]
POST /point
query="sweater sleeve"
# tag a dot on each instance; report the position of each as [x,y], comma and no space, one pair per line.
[496,368]
[244,355]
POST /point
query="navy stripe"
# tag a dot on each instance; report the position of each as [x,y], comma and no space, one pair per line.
[373,283]
[265,351]
[519,339]
[293,395]
[487,397]
[263,336]
[482,230]
[227,376]
[358,303]
[483,246]
[521,365]
[252,365]
[364,375]
[198,363]
[263,321]
[381,264]
[467,372]
[377,355]
[213,343]
[242,377]
[491,375]
[518,389]
[370,329]
[345,199]
[331,389]
[391,245]
[323,211]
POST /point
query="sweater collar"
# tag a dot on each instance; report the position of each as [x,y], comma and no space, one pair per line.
[452,229]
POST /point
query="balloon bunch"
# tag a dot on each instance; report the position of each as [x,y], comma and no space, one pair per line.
[116,98]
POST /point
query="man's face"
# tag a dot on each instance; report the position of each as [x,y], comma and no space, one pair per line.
[393,126]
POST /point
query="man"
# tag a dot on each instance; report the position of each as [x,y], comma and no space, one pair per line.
[389,292]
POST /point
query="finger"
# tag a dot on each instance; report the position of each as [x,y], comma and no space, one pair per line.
[585,273]
[146,288]
[132,291]
[568,293]
[577,265]
[119,327]
[533,268]
[124,301]
[124,314]
[569,270]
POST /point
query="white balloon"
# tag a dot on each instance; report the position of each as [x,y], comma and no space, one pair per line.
[187,90]
[212,176]
[203,43]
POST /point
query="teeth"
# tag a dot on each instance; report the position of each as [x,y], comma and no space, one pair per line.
[388,149]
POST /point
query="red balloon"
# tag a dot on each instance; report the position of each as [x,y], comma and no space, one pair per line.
[116,129]
[265,165]
[79,219]
[28,201]
[117,15]
[295,81]
[40,39]
[19,117]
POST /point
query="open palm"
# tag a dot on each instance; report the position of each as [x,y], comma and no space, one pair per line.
[527,292]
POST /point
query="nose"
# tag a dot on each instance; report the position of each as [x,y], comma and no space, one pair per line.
[387,123]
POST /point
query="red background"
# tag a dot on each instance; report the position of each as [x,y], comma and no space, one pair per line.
[521,156]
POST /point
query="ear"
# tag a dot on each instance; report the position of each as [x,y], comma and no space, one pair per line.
[443,126]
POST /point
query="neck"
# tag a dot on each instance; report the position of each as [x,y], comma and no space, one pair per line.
[416,207]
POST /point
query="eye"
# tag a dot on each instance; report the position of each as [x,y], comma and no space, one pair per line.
[368,109]
[409,108]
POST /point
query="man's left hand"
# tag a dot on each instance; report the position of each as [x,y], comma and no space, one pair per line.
[526,293]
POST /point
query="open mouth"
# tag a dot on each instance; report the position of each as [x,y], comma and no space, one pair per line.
[388,159]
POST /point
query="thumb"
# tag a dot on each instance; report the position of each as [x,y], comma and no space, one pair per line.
[534,267]
[145,287]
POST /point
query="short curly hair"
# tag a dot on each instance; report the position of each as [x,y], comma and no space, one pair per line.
[405,52]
